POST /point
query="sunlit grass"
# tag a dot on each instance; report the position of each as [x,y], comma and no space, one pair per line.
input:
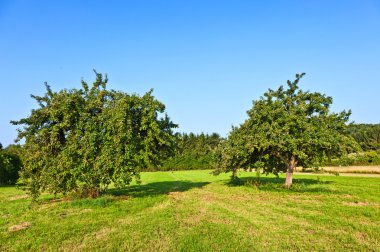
[195,211]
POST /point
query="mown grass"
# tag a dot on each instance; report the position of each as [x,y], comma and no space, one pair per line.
[195,211]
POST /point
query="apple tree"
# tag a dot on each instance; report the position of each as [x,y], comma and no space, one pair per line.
[84,139]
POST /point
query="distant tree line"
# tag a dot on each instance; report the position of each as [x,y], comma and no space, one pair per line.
[193,151]
[10,164]
[367,135]
[368,138]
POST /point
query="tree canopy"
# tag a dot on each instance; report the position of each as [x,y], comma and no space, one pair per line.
[285,128]
[84,139]
[193,151]
[367,135]
[10,164]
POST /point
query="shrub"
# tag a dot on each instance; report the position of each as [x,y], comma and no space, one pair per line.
[361,158]
[10,165]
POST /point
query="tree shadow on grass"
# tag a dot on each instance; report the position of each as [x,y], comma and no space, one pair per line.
[115,194]
[6,185]
[300,185]
[156,188]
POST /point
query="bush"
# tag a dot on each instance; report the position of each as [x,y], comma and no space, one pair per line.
[362,158]
[10,165]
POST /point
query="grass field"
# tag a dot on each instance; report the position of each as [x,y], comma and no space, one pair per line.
[195,211]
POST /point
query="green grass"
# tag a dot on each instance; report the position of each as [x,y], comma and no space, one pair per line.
[195,211]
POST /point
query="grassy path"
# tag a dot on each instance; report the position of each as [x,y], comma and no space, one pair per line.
[195,211]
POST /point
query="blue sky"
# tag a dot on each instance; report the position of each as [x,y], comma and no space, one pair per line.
[206,60]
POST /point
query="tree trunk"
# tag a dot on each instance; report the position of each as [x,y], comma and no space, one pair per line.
[92,192]
[289,172]
[329,157]
[234,173]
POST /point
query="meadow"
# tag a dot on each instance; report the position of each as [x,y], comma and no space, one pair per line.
[196,211]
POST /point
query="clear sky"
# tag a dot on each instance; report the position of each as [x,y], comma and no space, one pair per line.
[206,60]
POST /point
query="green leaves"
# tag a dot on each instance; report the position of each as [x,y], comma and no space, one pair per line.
[287,127]
[367,135]
[192,151]
[10,164]
[85,139]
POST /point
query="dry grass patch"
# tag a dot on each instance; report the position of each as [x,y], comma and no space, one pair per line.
[102,233]
[309,199]
[89,240]
[24,196]
[354,169]
[175,195]
[194,217]
[21,226]
[161,205]
[356,204]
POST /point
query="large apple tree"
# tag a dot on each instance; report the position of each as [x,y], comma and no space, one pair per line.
[84,139]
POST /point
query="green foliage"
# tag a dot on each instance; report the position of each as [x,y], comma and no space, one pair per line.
[367,135]
[84,139]
[358,159]
[231,155]
[193,152]
[10,164]
[287,127]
